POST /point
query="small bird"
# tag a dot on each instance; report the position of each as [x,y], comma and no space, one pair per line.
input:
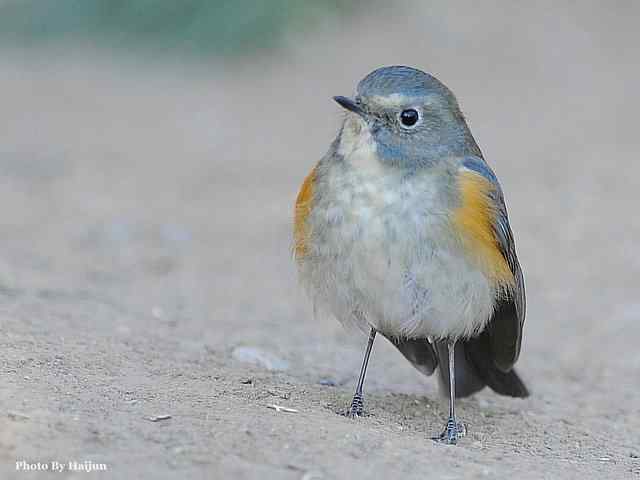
[401,229]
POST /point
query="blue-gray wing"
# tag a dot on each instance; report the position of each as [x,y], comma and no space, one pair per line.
[505,327]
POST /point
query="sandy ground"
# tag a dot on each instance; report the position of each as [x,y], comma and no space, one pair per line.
[145,241]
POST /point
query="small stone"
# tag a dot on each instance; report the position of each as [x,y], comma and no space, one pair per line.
[17,416]
[312,475]
[280,408]
[259,357]
[158,418]
[328,382]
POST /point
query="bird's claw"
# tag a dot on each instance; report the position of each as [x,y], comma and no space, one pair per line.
[453,431]
[357,407]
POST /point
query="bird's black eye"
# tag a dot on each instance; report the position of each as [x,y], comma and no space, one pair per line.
[409,117]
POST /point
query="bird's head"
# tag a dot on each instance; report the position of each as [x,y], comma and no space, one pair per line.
[409,117]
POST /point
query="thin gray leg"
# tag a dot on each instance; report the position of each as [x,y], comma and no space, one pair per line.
[453,430]
[357,403]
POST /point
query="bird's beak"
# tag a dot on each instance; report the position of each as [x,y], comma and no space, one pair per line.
[349,104]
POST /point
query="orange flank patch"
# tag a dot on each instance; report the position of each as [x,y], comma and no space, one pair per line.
[474,221]
[303,208]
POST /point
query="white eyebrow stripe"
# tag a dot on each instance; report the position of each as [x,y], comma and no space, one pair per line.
[393,100]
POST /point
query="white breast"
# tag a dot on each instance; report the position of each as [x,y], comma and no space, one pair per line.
[382,251]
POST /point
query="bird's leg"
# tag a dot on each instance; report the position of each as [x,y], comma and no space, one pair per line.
[357,403]
[453,430]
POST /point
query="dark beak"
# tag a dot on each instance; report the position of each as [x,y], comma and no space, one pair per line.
[349,104]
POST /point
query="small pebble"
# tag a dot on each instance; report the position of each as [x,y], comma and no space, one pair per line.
[279,408]
[328,382]
[17,416]
[158,418]
[260,357]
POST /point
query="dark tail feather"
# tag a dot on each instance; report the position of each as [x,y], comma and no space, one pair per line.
[478,352]
[419,352]
[475,369]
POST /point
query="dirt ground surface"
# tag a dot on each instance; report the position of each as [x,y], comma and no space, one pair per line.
[145,256]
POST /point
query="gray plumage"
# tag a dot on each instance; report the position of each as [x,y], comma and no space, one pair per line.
[383,249]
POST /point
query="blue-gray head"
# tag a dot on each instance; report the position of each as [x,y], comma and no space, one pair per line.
[412,117]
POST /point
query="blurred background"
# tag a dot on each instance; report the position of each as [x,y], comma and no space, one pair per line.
[151,151]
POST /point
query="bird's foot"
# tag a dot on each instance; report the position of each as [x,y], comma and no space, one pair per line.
[357,407]
[453,431]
